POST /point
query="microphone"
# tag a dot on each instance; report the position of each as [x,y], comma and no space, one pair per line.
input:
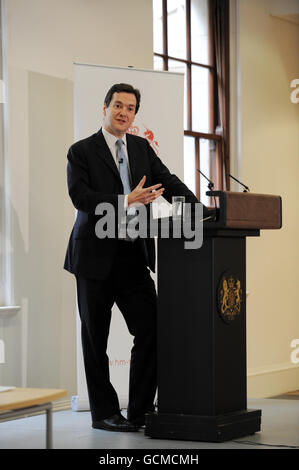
[211,188]
[211,184]
[246,190]
[120,160]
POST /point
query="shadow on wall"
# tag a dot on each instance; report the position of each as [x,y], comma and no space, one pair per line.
[40,339]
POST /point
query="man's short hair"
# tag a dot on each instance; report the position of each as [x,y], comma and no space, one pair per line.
[123,88]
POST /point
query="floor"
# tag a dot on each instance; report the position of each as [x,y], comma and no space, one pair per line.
[288,396]
[72,430]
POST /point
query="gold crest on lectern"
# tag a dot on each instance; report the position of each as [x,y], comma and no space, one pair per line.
[229,297]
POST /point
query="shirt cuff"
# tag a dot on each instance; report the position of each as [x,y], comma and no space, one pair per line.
[126,202]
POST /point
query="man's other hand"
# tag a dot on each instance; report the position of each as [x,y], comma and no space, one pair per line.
[141,195]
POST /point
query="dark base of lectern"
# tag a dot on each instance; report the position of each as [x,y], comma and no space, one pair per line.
[203,428]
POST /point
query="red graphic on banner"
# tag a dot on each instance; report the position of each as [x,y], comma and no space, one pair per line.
[148,134]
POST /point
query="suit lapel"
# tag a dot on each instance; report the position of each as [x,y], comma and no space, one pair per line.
[105,154]
[133,160]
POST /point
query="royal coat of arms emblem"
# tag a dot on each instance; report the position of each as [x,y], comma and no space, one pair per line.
[229,297]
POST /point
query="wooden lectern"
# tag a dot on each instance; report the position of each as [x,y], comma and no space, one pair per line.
[202,325]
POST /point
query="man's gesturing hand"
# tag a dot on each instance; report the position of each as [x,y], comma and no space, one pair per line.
[141,195]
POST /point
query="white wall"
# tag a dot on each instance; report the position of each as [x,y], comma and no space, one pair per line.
[265,152]
[284,7]
[42,40]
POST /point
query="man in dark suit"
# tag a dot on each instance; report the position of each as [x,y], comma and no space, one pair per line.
[112,270]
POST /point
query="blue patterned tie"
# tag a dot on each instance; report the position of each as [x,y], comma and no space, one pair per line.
[125,178]
[123,166]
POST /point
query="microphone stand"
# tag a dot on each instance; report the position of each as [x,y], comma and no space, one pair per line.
[211,188]
[246,190]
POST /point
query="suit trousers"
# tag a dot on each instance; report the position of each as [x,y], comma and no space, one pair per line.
[131,287]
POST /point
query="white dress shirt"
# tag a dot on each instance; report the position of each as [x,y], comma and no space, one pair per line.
[111,142]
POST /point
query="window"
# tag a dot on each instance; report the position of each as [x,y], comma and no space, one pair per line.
[191,37]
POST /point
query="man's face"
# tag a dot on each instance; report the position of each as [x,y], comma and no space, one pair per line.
[120,113]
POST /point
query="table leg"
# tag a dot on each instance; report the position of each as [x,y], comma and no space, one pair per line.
[49,434]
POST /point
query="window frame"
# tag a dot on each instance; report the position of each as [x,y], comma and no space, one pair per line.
[217,95]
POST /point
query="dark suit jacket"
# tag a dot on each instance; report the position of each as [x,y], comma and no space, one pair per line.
[93,177]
